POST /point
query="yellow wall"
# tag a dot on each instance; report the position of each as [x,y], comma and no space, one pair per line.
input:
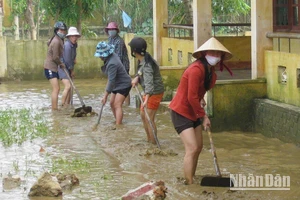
[175,45]
[287,45]
[6,9]
[232,103]
[284,92]
[240,47]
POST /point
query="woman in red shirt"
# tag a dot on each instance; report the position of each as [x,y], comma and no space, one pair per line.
[186,111]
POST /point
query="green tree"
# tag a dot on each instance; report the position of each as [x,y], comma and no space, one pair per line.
[223,10]
[140,11]
[18,8]
[29,17]
[72,12]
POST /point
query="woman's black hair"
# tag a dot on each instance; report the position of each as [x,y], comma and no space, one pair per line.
[207,79]
[150,60]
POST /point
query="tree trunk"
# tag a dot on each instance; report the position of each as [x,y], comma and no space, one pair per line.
[79,3]
[38,21]
[1,17]
[17,27]
[30,20]
[188,7]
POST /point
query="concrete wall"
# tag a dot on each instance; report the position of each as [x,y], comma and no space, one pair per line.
[283,91]
[240,47]
[279,120]
[233,105]
[25,59]
[287,45]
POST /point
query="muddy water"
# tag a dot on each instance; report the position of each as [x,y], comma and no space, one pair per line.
[111,162]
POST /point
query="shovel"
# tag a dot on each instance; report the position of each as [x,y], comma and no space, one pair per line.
[86,109]
[148,118]
[215,181]
[99,117]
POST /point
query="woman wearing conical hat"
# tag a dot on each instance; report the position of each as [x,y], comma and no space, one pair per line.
[187,113]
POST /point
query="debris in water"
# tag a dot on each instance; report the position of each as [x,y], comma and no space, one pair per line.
[11,181]
[150,190]
[157,151]
[52,185]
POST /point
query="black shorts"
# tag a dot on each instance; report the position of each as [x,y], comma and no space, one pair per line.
[181,123]
[50,74]
[123,92]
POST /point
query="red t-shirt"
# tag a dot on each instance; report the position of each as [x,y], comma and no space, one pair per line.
[191,90]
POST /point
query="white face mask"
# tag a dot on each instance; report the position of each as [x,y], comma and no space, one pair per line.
[212,60]
[112,33]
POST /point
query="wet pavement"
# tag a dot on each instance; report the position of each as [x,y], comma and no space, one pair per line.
[110,162]
[237,74]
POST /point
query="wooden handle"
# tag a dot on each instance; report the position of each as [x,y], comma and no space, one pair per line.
[67,73]
[148,118]
[213,151]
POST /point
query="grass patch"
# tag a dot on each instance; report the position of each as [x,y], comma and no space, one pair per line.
[17,126]
[70,165]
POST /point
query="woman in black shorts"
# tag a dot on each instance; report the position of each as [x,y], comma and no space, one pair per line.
[119,82]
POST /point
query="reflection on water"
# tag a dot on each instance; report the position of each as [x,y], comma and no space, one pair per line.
[116,161]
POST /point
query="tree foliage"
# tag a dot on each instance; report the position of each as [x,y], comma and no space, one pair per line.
[140,11]
[18,7]
[70,11]
[74,12]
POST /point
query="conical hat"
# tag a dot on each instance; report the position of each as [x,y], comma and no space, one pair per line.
[212,44]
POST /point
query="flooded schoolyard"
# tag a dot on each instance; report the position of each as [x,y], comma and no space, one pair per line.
[109,162]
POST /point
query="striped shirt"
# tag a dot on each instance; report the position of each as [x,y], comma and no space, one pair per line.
[120,50]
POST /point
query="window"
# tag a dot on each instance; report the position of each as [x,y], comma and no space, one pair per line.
[286,15]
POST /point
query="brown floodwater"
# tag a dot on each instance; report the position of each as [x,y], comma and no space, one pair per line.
[112,162]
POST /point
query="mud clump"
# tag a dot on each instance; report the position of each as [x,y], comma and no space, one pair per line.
[148,191]
[67,181]
[83,112]
[160,191]
[11,181]
[157,151]
[52,185]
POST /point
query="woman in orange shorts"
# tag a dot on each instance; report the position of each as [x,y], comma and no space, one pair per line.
[151,81]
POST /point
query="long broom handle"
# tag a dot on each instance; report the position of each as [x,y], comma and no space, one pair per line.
[148,118]
[67,73]
[100,114]
[213,151]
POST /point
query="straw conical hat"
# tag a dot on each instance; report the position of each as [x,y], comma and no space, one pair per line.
[212,44]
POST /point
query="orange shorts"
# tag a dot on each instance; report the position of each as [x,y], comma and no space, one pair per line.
[153,101]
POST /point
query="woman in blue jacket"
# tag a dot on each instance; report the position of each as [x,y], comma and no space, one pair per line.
[119,82]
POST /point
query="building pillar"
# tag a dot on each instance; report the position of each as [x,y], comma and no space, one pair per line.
[1,17]
[261,23]
[132,61]
[160,16]
[3,57]
[202,20]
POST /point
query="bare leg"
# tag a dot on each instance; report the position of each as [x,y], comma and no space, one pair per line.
[192,140]
[118,103]
[65,100]
[199,140]
[145,123]
[54,94]
[112,102]
[127,100]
